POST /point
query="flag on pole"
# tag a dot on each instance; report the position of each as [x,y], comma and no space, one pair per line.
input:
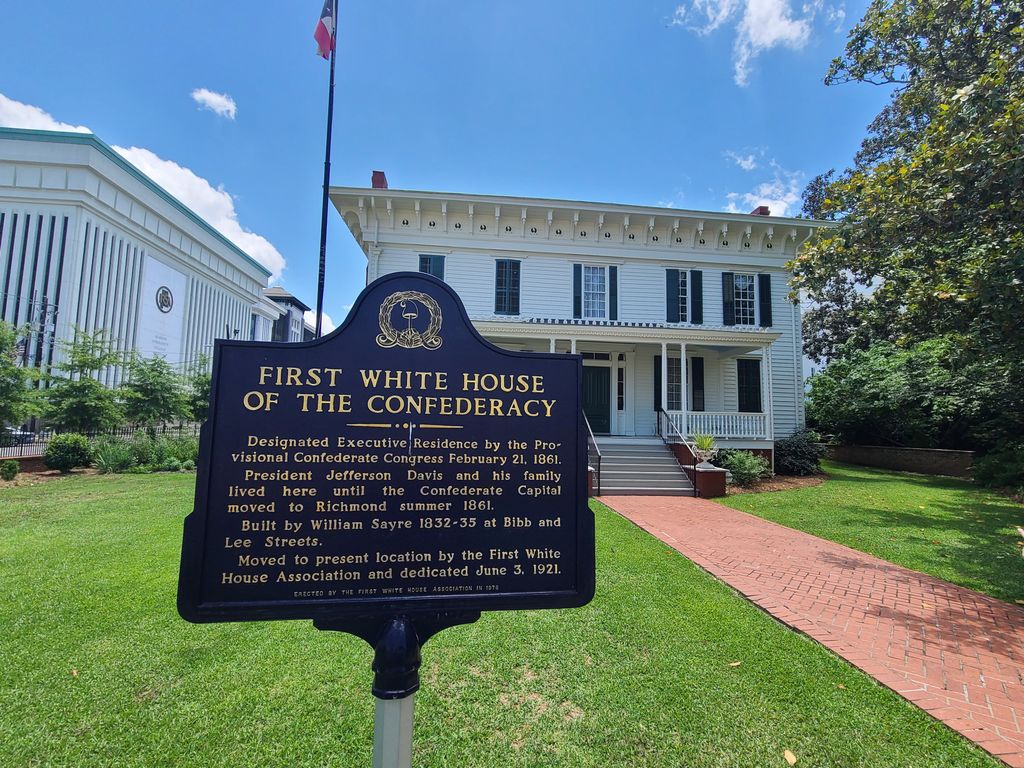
[324,32]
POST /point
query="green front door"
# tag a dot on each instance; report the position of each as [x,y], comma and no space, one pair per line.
[597,398]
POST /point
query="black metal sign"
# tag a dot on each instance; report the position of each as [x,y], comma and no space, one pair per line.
[400,465]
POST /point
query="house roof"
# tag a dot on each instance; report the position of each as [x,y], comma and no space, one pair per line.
[282,296]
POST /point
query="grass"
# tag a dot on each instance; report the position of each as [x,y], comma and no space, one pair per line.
[100,671]
[937,525]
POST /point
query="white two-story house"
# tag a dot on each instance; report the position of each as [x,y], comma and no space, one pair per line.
[635,290]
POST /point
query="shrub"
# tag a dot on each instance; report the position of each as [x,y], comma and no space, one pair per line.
[9,469]
[111,454]
[1002,468]
[184,449]
[170,464]
[67,451]
[188,465]
[800,454]
[746,468]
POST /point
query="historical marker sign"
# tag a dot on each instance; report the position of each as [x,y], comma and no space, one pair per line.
[400,464]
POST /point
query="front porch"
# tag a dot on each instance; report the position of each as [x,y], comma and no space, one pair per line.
[631,372]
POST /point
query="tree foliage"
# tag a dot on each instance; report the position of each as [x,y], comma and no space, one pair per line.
[930,394]
[929,240]
[76,401]
[922,274]
[198,385]
[153,392]
[14,392]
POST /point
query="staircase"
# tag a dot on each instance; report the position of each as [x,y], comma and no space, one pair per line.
[640,466]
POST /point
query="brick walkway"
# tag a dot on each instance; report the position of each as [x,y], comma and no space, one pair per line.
[957,654]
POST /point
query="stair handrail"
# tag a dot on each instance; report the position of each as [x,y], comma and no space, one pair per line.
[593,450]
[673,435]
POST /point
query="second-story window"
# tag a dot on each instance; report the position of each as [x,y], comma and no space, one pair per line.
[506,287]
[595,292]
[744,298]
[432,264]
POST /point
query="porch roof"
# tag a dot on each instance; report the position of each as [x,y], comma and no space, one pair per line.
[624,331]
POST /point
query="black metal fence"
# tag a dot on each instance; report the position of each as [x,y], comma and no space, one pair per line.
[17,444]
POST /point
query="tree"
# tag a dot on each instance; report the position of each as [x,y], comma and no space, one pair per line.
[929,242]
[153,392]
[199,389]
[76,401]
[14,393]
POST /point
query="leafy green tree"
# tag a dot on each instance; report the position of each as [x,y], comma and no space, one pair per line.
[930,394]
[153,392]
[930,239]
[15,396]
[75,400]
[199,389]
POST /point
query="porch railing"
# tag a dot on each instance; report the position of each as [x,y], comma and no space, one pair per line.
[721,424]
[593,456]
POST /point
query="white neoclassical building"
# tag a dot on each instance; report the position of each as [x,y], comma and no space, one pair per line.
[87,241]
[635,290]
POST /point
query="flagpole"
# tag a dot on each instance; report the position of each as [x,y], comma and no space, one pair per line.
[327,182]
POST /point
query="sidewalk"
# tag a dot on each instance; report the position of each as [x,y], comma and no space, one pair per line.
[957,654]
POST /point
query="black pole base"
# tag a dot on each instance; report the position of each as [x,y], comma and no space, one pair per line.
[397,641]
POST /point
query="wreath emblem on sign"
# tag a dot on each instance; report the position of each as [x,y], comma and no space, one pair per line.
[409,334]
[164,299]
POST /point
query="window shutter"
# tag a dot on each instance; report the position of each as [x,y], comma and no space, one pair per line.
[696,297]
[728,300]
[513,296]
[697,382]
[613,293]
[748,385]
[657,383]
[764,289]
[671,295]
[577,290]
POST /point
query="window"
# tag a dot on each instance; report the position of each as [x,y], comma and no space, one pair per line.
[675,384]
[748,386]
[594,292]
[620,389]
[743,298]
[506,287]
[432,264]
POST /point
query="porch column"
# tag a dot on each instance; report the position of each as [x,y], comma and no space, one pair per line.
[664,376]
[551,346]
[684,425]
[764,389]
[572,347]
[771,398]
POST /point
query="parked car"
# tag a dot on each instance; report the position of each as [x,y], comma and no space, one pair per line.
[15,436]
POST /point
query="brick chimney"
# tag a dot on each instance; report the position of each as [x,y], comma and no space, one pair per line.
[761,210]
[379,180]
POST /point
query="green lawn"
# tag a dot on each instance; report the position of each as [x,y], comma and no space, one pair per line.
[99,669]
[938,525]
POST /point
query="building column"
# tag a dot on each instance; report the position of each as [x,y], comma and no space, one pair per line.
[572,347]
[764,390]
[771,397]
[684,404]
[664,376]
[551,346]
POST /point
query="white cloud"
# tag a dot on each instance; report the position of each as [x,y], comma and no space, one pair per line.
[220,103]
[760,25]
[214,205]
[14,114]
[310,317]
[746,162]
[781,194]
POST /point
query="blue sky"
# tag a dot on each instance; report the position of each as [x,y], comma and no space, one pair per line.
[713,104]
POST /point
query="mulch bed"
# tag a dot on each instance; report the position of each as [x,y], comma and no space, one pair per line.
[779,483]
